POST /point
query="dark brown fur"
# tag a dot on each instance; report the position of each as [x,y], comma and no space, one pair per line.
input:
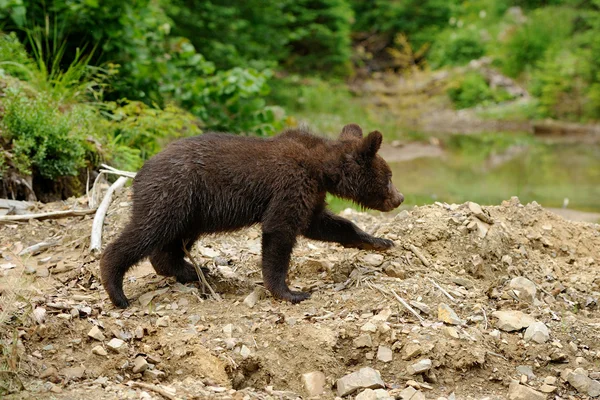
[220,183]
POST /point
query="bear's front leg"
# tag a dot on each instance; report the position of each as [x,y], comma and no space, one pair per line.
[328,227]
[277,248]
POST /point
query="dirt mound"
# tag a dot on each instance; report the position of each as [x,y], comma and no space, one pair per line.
[496,294]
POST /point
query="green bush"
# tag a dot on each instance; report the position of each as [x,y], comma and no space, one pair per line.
[472,89]
[456,48]
[41,138]
[545,28]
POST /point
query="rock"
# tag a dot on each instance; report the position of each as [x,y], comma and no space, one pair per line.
[394,271]
[526,370]
[367,378]
[139,365]
[139,332]
[39,314]
[419,367]
[369,327]
[408,393]
[153,374]
[451,332]
[545,388]
[384,354]
[516,391]
[163,321]
[73,374]
[253,298]
[482,228]
[96,333]
[512,320]
[479,213]
[314,383]
[538,332]
[373,259]
[424,308]
[579,380]
[411,350]
[228,330]
[99,350]
[48,373]
[363,341]
[377,394]
[447,315]
[525,288]
[116,345]
[550,380]
[245,351]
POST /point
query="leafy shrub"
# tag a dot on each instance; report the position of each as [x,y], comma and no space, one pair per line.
[456,48]
[544,29]
[41,138]
[472,89]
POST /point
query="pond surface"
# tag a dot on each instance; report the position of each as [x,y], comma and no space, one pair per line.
[491,168]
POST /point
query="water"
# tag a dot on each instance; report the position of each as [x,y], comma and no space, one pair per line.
[493,168]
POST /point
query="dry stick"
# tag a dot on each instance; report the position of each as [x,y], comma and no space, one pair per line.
[96,239]
[405,304]
[36,248]
[111,170]
[154,388]
[201,274]
[46,215]
[448,295]
[420,255]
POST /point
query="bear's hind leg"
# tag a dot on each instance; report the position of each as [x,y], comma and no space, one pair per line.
[169,261]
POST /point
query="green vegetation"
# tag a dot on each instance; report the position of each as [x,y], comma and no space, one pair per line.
[85,82]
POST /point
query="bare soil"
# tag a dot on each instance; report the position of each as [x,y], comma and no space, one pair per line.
[200,348]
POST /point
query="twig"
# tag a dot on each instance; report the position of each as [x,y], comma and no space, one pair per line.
[485,318]
[448,295]
[405,304]
[420,255]
[154,388]
[200,273]
[46,215]
[36,248]
[497,355]
[96,239]
[109,169]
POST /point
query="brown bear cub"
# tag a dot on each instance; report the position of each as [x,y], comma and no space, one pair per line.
[220,183]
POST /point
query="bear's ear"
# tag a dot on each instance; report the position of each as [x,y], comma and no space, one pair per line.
[371,144]
[351,132]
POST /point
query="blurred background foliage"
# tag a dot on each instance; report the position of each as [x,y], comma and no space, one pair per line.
[90,81]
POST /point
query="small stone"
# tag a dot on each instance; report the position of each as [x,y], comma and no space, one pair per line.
[42,272]
[394,271]
[512,320]
[411,350]
[377,394]
[39,314]
[384,354]
[253,298]
[369,327]
[495,334]
[547,388]
[363,341]
[517,391]
[229,343]
[314,383]
[228,330]
[451,332]
[49,372]
[525,288]
[447,315]
[139,332]
[424,308]
[408,393]
[96,333]
[579,380]
[153,374]
[139,365]
[526,370]
[116,345]
[550,380]
[73,374]
[419,367]
[245,351]
[364,378]
[99,350]
[163,321]
[538,332]
[373,259]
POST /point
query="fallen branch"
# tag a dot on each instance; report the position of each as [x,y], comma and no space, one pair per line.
[46,215]
[36,248]
[154,388]
[110,170]
[201,276]
[405,304]
[448,295]
[96,239]
[420,255]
